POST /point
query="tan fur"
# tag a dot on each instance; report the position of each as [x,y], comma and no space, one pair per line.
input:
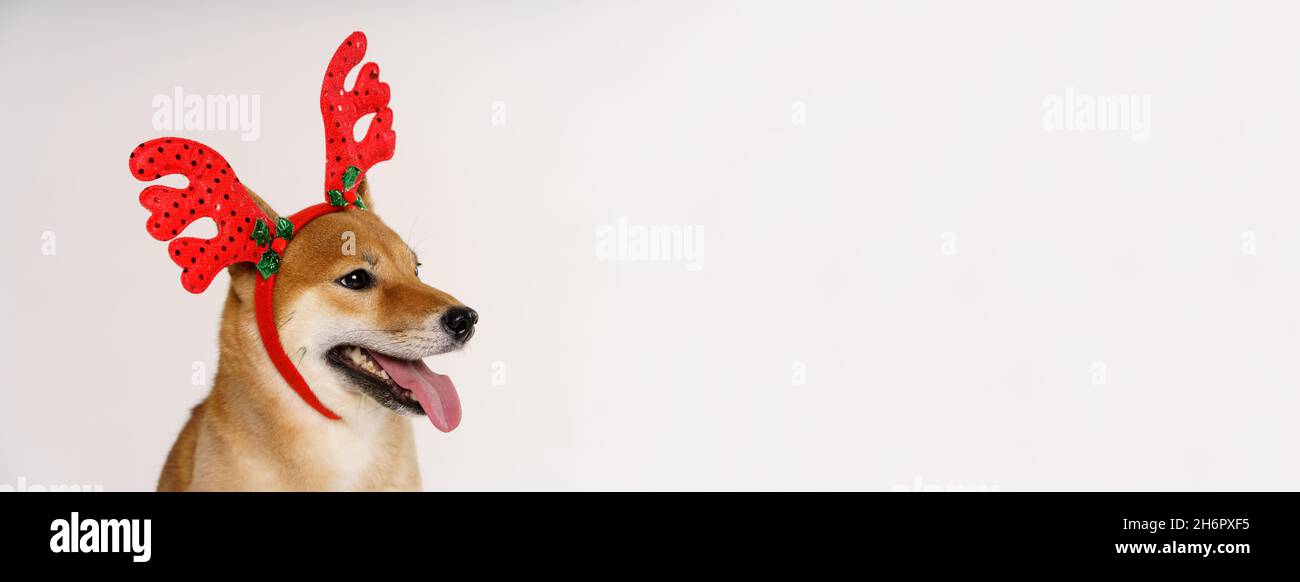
[253,432]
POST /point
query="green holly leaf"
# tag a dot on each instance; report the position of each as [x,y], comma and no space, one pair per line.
[359,203]
[350,177]
[336,198]
[261,233]
[283,228]
[269,265]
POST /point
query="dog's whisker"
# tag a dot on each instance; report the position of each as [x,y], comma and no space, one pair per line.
[410,230]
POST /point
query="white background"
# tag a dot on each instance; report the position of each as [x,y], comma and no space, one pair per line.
[823,242]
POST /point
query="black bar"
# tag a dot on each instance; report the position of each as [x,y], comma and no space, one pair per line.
[780,530]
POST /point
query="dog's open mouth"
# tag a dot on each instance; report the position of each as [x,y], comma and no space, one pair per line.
[403,385]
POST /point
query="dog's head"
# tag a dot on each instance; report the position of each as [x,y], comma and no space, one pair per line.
[350,320]
[356,319]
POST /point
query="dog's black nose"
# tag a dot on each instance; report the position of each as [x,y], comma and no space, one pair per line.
[459,322]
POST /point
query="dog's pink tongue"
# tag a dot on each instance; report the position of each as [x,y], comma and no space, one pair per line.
[436,393]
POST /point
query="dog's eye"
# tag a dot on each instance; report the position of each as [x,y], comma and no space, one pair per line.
[356,280]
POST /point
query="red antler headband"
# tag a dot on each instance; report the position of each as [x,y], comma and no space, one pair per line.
[244,232]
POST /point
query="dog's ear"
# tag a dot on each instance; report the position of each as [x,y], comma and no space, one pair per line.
[363,192]
[243,276]
[266,208]
[243,282]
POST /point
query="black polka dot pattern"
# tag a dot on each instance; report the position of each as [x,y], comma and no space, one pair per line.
[173,209]
[341,109]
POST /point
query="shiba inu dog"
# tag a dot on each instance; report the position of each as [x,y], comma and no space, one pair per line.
[357,322]
[326,322]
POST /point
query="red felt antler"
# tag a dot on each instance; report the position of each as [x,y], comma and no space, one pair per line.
[347,160]
[213,191]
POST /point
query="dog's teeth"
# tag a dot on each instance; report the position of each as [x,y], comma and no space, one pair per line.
[362,360]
